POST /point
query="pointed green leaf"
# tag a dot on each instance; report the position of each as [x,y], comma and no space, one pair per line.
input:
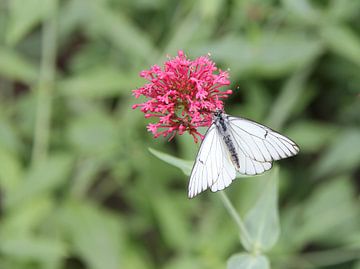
[248,261]
[262,221]
[185,166]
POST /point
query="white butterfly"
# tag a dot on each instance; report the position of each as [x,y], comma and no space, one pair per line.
[236,144]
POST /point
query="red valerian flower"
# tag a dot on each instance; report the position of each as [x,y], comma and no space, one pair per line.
[182,95]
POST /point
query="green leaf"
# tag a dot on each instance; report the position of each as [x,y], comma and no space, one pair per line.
[343,41]
[262,221]
[25,15]
[185,166]
[94,234]
[343,154]
[248,261]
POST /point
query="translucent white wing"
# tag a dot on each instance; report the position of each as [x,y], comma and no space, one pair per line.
[212,167]
[259,143]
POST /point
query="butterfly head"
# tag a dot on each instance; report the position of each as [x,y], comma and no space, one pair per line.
[218,113]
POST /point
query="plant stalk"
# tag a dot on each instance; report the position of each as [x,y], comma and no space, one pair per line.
[45,87]
[247,242]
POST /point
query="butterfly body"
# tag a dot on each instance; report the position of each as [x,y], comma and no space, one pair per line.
[221,122]
[232,145]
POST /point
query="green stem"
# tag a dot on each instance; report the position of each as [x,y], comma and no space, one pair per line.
[239,222]
[45,87]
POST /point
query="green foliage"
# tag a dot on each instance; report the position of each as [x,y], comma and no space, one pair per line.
[260,229]
[262,221]
[78,185]
[247,261]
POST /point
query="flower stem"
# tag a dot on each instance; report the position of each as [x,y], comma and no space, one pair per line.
[45,87]
[234,214]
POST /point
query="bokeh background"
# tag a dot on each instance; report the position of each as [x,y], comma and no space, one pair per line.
[78,185]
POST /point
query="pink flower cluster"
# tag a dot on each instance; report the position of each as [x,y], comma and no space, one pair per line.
[183,95]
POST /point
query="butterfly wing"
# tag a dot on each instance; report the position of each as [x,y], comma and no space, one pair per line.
[212,167]
[258,145]
[249,166]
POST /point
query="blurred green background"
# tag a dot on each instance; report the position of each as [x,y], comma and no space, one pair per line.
[78,186]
